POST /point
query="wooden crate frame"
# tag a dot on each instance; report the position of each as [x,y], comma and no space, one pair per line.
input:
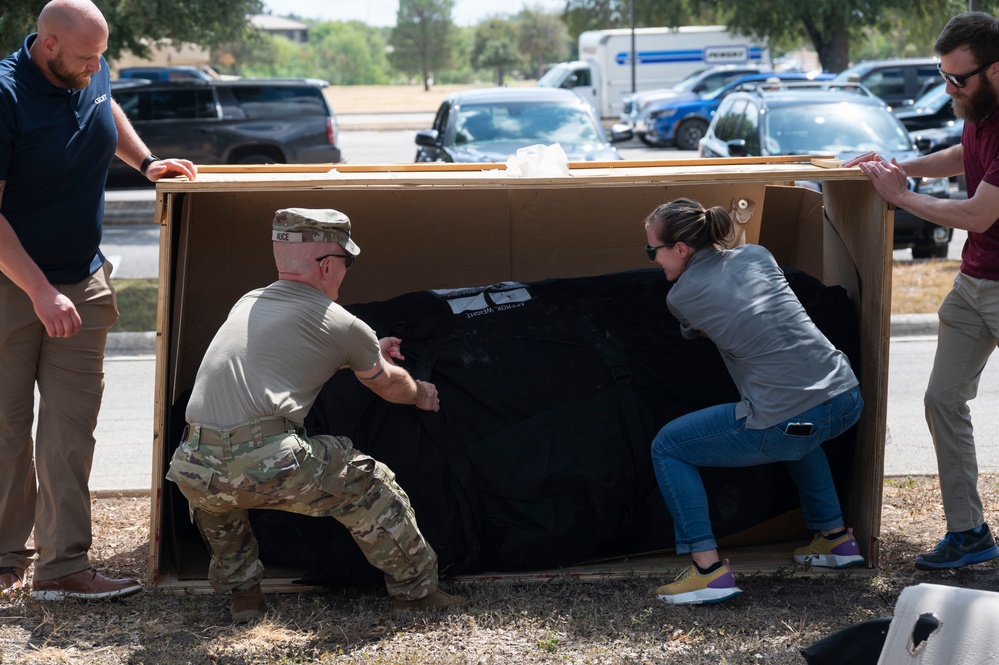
[533,228]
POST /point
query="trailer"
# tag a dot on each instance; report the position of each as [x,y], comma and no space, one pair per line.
[663,56]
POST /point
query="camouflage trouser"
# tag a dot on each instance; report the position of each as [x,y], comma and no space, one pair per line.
[322,476]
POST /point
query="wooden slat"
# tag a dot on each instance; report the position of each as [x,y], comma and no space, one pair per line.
[290,177]
[430,167]
[659,566]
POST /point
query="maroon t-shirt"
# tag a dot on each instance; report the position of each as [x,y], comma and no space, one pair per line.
[980,257]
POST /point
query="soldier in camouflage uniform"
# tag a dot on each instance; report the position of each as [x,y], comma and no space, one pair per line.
[244,446]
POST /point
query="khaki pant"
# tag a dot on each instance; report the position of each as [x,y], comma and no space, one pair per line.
[322,476]
[69,373]
[969,330]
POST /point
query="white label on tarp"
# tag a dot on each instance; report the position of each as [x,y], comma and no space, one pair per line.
[479,301]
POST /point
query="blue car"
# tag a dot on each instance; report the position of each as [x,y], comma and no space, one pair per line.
[682,121]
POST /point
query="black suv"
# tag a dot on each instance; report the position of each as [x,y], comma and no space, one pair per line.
[898,82]
[839,119]
[243,121]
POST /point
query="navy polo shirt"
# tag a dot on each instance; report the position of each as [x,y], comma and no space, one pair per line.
[55,149]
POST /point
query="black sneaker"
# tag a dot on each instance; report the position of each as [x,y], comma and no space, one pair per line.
[960,549]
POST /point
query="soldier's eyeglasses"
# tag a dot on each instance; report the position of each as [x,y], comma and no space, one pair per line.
[348,260]
[960,80]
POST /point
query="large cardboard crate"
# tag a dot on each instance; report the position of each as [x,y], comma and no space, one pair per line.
[444,226]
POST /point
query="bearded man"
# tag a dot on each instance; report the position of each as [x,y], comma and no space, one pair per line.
[969,315]
[59,130]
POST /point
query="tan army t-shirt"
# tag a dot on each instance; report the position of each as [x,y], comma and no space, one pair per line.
[273,354]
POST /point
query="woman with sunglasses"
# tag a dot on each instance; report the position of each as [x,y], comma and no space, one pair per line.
[797,391]
[969,315]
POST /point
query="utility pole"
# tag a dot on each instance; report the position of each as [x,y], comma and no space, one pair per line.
[973,5]
[634,55]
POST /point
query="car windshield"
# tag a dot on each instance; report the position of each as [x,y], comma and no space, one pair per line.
[687,84]
[725,87]
[524,122]
[553,77]
[857,71]
[834,128]
[934,99]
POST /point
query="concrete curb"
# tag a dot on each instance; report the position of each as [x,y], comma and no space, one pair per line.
[134,493]
[130,344]
[129,212]
[914,325]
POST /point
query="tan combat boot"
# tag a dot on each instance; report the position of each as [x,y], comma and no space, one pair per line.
[247,604]
[435,601]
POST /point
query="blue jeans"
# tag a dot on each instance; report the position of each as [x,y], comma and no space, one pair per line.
[714,437]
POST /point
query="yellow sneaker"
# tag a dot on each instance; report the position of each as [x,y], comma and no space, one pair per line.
[838,553]
[692,588]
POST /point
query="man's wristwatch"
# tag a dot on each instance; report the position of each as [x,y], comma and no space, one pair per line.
[146,162]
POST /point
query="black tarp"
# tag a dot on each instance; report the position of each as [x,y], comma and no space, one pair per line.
[551,393]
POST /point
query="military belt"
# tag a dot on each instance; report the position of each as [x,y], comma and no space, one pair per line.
[243,433]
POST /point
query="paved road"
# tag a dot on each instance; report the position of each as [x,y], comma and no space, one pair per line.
[123,458]
[909,449]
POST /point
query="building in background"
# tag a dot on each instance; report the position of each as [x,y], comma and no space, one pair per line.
[295,31]
[173,54]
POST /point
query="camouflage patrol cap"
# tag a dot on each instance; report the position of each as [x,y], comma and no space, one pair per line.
[313,225]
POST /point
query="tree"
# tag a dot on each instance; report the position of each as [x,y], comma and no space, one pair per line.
[135,24]
[495,47]
[421,40]
[582,15]
[829,25]
[543,38]
[348,53]
[264,56]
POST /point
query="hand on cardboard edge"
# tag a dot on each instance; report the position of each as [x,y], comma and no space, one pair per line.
[172,168]
[866,157]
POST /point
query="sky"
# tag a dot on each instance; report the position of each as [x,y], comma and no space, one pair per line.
[382,12]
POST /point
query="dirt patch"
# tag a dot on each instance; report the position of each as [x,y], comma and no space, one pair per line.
[564,621]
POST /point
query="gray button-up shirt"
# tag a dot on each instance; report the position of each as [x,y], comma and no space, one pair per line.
[780,361]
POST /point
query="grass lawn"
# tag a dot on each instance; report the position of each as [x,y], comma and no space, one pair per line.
[136,305]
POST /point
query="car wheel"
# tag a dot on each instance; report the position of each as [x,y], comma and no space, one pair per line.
[689,133]
[930,252]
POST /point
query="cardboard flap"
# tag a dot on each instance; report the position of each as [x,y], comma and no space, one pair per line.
[791,227]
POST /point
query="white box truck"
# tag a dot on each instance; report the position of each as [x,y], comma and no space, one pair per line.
[664,56]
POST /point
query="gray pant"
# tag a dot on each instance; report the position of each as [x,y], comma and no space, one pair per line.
[969,330]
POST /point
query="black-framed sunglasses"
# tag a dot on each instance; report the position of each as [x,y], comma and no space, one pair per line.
[348,260]
[650,251]
[960,80]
